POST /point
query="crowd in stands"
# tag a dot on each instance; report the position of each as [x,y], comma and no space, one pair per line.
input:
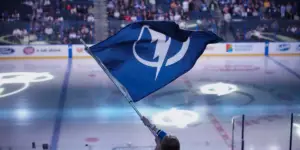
[264,9]
[15,16]
[130,10]
[63,22]
[252,11]
[179,11]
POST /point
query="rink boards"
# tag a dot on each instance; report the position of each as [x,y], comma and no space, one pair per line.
[219,49]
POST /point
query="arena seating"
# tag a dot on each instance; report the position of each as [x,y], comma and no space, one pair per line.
[29,21]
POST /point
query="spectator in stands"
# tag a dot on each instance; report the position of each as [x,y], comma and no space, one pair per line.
[127,17]
[91,18]
[78,34]
[227,17]
[185,6]
[150,16]
[72,34]
[244,13]
[139,17]
[160,17]
[73,10]
[173,4]
[144,16]
[47,3]
[238,35]
[84,30]
[296,16]
[117,14]
[24,32]
[49,32]
[110,5]
[143,6]
[177,17]
[50,18]
[213,5]
[15,16]
[39,12]
[255,13]
[203,7]
[133,17]
[17,32]
[282,10]
[267,4]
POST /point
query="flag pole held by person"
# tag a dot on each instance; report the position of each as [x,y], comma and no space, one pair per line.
[145,56]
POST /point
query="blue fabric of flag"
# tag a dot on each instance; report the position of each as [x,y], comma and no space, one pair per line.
[146,56]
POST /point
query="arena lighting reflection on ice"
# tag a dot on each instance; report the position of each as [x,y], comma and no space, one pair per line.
[24,78]
[218,88]
[22,114]
[297,128]
[175,117]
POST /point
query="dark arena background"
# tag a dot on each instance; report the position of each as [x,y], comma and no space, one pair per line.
[242,94]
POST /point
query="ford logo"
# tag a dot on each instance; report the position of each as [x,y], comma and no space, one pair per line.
[6,51]
[284,47]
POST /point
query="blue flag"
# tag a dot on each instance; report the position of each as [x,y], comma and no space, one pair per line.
[146,56]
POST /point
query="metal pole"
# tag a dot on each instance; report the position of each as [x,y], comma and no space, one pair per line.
[232,134]
[243,126]
[291,132]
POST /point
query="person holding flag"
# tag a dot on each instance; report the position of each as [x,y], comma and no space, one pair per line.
[162,140]
[145,56]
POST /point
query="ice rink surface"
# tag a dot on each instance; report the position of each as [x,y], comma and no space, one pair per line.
[71,103]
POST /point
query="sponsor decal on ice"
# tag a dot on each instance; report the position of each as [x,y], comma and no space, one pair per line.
[28,50]
[284,47]
[6,51]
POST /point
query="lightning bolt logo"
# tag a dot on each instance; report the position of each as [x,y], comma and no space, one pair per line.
[161,50]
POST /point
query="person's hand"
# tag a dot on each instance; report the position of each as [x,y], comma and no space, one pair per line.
[146,122]
[157,141]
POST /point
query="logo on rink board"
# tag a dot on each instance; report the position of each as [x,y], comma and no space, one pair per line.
[284,47]
[28,50]
[31,50]
[238,48]
[6,51]
[80,49]
[229,48]
[50,50]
